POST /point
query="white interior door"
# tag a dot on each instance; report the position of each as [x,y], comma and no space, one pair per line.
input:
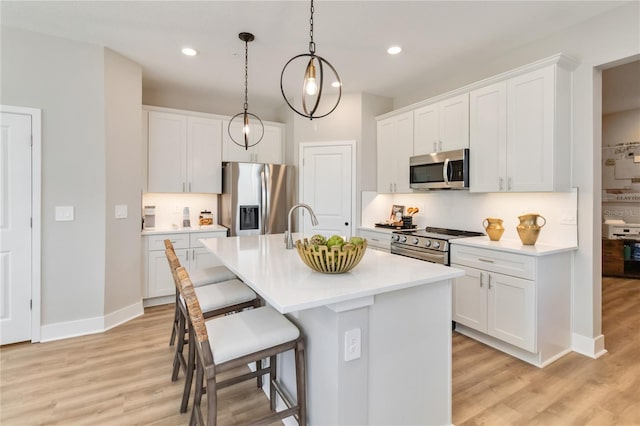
[15,228]
[327,184]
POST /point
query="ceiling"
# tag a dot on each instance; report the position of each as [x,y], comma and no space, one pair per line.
[352,35]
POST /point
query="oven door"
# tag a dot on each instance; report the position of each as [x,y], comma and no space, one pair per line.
[433,256]
[442,170]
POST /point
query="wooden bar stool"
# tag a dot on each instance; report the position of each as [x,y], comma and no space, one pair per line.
[228,342]
[210,275]
[217,299]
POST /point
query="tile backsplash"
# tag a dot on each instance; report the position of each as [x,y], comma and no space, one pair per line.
[169,208]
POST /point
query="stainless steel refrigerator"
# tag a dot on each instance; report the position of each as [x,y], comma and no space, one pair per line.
[255,198]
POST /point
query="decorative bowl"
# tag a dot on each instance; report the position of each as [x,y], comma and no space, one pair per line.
[334,260]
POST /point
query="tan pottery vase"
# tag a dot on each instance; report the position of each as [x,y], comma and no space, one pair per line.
[494,228]
[528,229]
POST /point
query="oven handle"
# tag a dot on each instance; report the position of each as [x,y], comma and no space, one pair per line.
[445,171]
[419,254]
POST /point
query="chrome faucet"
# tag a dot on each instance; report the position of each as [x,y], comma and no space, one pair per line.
[288,234]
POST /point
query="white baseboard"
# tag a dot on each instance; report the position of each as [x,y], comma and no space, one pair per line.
[592,347]
[67,329]
[123,315]
[64,330]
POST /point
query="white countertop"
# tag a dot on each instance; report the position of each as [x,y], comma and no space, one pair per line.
[210,228]
[513,246]
[286,283]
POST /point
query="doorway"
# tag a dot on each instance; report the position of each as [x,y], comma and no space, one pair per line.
[20,158]
[327,184]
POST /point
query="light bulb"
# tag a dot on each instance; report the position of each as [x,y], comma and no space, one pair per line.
[310,85]
[246,129]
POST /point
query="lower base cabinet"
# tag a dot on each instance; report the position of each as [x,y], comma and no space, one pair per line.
[157,279]
[518,303]
[376,240]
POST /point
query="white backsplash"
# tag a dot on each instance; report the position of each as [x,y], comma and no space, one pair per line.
[465,210]
[169,208]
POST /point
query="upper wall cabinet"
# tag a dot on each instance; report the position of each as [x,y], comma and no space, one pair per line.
[184,153]
[268,150]
[520,136]
[442,126]
[395,146]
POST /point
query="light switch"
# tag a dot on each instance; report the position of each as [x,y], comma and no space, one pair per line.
[121,211]
[64,213]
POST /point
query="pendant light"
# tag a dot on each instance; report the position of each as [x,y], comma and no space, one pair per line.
[313,81]
[250,122]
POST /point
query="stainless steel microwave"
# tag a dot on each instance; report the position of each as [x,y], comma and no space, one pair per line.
[440,170]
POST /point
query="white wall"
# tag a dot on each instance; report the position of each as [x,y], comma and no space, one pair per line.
[65,79]
[123,97]
[596,42]
[91,155]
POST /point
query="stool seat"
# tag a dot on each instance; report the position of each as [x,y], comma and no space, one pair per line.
[247,332]
[226,293]
[212,274]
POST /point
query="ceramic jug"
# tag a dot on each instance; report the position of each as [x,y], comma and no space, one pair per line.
[494,228]
[528,229]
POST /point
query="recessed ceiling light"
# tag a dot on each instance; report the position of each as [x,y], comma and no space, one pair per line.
[394,50]
[189,51]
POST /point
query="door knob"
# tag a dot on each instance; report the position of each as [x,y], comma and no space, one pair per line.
[346,224]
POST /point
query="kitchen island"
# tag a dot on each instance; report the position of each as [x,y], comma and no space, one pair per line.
[378,337]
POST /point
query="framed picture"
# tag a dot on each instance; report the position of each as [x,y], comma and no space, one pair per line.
[394,212]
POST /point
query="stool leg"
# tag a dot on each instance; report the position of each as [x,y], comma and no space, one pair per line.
[212,402]
[188,379]
[179,347]
[196,412]
[273,376]
[301,383]
[258,368]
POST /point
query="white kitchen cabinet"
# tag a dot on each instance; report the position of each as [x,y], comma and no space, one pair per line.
[193,256]
[395,147]
[268,150]
[376,239]
[184,153]
[519,133]
[442,126]
[518,303]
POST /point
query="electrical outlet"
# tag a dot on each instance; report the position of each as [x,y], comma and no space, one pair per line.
[352,344]
[568,217]
[121,211]
[64,213]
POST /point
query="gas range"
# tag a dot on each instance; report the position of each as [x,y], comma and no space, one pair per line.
[430,244]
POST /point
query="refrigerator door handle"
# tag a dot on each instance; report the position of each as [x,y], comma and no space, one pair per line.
[264,204]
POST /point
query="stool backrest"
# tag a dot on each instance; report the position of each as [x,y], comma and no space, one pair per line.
[193,305]
[174,264]
[168,244]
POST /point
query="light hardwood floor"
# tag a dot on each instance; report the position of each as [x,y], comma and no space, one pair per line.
[122,377]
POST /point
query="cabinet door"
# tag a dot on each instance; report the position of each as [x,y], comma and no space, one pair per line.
[426,122]
[453,127]
[470,298]
[204,150]
[488,138]
[160,281]
[201,258]
[167,152]
[402,150]
[231,151]
[511,310]
[386,170]
[269,150]
[530,132]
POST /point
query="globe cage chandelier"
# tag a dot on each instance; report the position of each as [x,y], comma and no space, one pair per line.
[248,119]
[313,81]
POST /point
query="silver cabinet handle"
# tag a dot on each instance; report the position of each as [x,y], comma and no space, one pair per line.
[390,187]
[435,146]
[189,186]
[485,260]
[509,183]
[184,187]
[489,281]
[500,183]
[481,275]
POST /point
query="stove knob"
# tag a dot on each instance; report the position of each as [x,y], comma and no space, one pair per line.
[395,237]
[427,243]
[403,239]
[436,244]
[415,240]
